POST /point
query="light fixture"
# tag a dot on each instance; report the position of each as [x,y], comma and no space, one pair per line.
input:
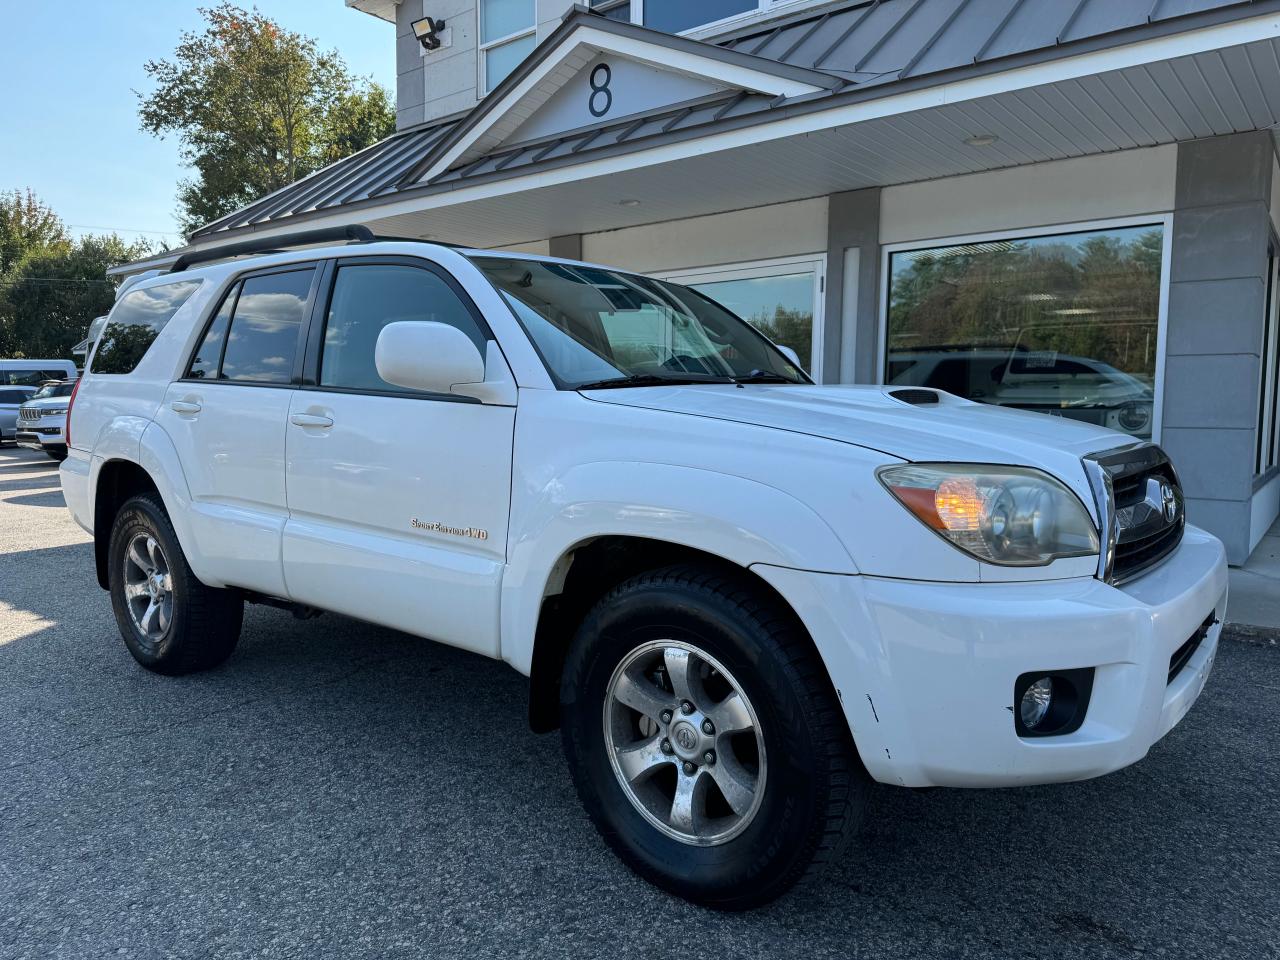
[628,203]
[1036,702]
[981,139]
[428,30]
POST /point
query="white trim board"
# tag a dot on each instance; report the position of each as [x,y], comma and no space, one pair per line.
[1100,186]
[580,48]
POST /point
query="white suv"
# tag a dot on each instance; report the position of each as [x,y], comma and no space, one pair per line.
[741,596]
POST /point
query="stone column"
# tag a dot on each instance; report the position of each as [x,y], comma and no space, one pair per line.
[852,311]
[1217,295]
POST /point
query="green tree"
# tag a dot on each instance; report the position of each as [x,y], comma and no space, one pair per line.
[27,225]
[256,107]
[48,299]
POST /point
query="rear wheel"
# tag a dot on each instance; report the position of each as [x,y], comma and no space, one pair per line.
[171,622]
[705,739]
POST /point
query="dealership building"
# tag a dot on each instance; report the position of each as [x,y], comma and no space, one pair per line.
[1069,206]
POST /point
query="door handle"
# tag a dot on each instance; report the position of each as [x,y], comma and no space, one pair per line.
[185,406]
[310,420]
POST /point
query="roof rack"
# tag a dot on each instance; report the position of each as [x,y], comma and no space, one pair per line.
[352,233]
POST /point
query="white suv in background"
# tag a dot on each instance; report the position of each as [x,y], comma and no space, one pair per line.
[42,420]
[741,596]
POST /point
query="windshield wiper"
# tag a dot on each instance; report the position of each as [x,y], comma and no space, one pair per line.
[761,376]
[648,380]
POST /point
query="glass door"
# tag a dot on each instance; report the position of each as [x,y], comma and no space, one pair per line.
[780,298]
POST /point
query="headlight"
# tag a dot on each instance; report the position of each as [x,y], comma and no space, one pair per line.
[53,411]
[1012,516]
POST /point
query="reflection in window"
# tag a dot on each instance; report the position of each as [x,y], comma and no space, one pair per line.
[1064,325]
[779,307]
[264,331]
[366,299]
[204,363]
[135,322]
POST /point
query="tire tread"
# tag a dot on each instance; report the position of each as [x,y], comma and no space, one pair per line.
[844,779]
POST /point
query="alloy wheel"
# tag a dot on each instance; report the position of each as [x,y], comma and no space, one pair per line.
[684,742]
[148,587]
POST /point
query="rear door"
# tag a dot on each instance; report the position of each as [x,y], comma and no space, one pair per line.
[227,418]
[398,501]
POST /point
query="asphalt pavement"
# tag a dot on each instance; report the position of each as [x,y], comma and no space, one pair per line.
[340,790]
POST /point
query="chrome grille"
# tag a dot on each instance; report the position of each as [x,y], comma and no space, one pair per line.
[28,413]
[1141,505]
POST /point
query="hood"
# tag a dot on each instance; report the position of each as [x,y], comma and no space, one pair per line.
[952,430]
[56,402]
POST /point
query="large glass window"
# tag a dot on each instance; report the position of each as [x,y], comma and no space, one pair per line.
[135,322]
[365,299]
[1065,324]
[507,36]
[780,299]
[263,341]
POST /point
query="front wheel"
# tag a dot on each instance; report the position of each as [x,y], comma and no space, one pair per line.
[56,453]
[705,739]
[171,622]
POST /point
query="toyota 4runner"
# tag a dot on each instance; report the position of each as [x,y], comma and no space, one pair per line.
[740,595]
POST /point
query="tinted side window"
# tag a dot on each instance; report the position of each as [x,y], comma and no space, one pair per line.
[14,396]
[263,341]
[135,322]
[204,362]
[25,375]
[368,297]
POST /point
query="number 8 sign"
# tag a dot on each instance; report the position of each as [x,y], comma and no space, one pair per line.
[599,80]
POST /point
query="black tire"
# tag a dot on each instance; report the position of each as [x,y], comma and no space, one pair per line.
[204,625]
[815,786]
[56,453]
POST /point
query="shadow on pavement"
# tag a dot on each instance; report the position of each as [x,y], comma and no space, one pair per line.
[344,785]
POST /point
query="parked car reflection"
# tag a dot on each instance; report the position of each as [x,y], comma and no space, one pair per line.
[1045,381]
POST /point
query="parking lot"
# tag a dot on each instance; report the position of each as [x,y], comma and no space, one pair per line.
[338,790]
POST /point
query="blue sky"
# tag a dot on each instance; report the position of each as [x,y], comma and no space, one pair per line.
[69,116]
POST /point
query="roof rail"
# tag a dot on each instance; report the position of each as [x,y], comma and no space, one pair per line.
[352,233]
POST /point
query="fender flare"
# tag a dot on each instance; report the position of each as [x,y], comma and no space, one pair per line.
[739,520]
[158,456]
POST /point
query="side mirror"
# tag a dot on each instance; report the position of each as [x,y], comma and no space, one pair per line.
[427,356]
[789,354]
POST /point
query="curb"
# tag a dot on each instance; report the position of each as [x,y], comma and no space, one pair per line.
[1255,635]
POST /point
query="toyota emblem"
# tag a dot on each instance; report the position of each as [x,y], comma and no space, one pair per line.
[1168,503]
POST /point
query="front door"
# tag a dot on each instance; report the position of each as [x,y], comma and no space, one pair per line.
[398,502]
[227,417]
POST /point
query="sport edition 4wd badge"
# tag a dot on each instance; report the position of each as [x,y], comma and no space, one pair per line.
[434,526]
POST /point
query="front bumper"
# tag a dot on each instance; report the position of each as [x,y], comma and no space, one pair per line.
[926,671]
[36,437]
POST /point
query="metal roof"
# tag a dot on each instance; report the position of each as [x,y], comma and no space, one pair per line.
[874,47]
[877,41]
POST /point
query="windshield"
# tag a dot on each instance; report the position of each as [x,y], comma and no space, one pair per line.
[53,390]
[598,327]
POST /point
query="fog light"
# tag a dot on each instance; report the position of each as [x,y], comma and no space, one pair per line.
[1035,702]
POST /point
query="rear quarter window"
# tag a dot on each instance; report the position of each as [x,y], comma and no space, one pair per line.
[135,322]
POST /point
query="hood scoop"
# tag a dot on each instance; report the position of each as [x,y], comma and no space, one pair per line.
[916,396]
